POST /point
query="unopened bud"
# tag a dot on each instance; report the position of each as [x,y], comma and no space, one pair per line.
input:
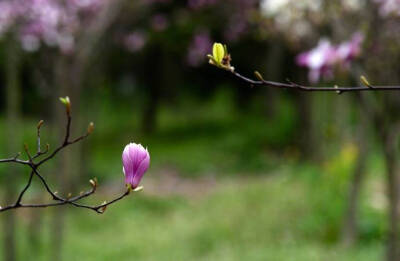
[93,182]
[258,76]
[40,124]
[104,208]
[66,101]
[365,81]
[338,91]
[90,128]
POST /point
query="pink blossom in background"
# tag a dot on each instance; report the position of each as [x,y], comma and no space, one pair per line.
[51,22]
[7,15]
[135,41]
[198,49]
[159,22]
[136,161]
[239,21]
[322,60]
[236,28]
[197,4]
[319,60]
[156,1]
[347,51]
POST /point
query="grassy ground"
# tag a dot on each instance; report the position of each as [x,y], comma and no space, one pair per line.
[248,219]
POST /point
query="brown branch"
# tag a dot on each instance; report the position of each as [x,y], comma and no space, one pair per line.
[34,166]
[66,142]
[15,160]
[294,86]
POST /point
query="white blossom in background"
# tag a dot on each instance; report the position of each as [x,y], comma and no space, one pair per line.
[388,7]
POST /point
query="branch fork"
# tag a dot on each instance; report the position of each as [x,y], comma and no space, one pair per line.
[33,162]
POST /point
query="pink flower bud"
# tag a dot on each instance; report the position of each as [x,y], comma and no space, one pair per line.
[136,161]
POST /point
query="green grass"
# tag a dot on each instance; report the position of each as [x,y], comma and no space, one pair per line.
[243,219]
[194,138]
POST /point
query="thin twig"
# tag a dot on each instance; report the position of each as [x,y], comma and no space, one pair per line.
[21,195]
[34,166]
[292,85]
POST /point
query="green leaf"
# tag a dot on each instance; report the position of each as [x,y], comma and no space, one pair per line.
[65,100]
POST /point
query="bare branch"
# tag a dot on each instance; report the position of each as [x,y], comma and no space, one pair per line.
[294,86]
[34,166]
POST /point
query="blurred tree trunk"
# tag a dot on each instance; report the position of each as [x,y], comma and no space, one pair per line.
[274,63]
[68,81]
[57,229]
[153,78]
[34,231]
[350,227]
[388,128]
[70,74]
[307,140]
[389,140]
[13,137]
[386,124]
[307,135]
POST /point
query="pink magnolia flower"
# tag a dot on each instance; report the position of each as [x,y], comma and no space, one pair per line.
[136,161]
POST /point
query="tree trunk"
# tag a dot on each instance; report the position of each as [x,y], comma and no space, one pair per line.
[69,84]
[307,140]
[12,130]
[154,83]
[350,228]
[390,152]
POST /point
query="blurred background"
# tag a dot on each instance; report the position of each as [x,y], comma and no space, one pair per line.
[237,173]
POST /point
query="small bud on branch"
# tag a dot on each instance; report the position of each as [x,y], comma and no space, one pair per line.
[365,81]
[258,76]
[67,104]
[40,124]
[90,128]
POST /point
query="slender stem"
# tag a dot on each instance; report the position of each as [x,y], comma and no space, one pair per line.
[295,86]
[21,195]
[15,160]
